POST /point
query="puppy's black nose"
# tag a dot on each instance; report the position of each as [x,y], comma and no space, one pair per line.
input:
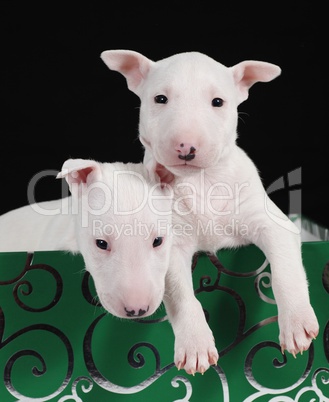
[187,156]
[136,313]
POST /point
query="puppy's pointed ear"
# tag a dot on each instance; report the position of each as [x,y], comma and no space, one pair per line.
[163,175]
[247,73]
[157,172]
[80,171]
[132,65]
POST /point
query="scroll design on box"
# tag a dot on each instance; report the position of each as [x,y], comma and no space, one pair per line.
[25,288]
[311,382]
[206,285]
[41,368]
[278,363]
[137,361]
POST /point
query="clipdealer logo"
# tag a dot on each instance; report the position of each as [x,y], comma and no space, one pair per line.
[222,192]
[290,183]
[137,228]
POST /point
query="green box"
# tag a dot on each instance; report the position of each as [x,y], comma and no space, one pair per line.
[58,344]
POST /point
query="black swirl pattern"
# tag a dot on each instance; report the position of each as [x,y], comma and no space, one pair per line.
[25,287]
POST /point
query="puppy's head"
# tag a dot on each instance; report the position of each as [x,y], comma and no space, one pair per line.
[123,226]
[188,114]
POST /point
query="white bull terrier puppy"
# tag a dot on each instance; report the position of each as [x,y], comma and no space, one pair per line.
[117,219]
[188,126]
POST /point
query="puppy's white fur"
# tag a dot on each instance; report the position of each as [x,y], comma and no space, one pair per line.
[188,125]
[114,203]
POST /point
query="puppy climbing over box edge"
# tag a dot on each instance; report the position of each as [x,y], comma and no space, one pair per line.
[188,126]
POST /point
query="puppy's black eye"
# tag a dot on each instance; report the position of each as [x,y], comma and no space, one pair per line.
[157,241]
[160,99]
[102,244]
[217,102]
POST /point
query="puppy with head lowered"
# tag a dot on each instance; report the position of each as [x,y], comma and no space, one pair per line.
[117,218]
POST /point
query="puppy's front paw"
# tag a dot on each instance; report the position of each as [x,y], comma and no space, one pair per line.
[195,352]
[297,330]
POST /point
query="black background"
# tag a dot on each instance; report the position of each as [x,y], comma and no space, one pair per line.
[59,100]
